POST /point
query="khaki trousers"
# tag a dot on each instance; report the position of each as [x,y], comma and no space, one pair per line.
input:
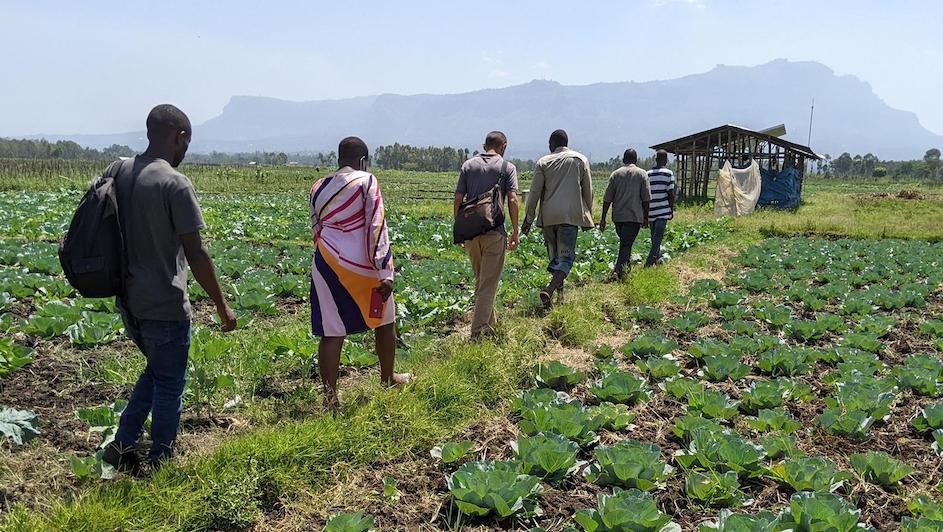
[487,259]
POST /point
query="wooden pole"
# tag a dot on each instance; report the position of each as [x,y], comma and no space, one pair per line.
[693,183]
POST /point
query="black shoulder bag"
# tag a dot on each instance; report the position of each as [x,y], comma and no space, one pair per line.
[482,213]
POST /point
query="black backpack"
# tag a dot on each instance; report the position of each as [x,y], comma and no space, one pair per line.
[93,254]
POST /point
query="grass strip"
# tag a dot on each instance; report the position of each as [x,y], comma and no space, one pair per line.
[247,476]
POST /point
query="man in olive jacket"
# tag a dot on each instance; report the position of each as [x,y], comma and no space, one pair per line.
[562,188]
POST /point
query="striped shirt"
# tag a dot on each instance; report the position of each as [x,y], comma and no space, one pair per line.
[661,181]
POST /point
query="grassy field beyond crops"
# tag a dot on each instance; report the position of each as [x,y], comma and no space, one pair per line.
[781,371]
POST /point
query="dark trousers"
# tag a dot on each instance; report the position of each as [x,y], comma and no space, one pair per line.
[628,232]
[658,226]
[159,389]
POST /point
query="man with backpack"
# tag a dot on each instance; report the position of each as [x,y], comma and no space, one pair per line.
[161,220]
[486,181]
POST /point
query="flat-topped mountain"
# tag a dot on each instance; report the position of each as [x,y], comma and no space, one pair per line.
[602,119]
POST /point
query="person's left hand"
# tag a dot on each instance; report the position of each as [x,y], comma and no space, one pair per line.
[602,226]
[385,289]
[514,241]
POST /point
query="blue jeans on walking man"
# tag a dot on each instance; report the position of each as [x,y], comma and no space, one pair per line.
[159,389]
[561,247]
[658,226]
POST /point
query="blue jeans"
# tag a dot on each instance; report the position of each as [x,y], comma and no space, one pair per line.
[658,226]
[159,390]
[561,246]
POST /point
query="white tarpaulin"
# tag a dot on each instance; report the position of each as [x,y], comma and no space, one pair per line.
[737,190]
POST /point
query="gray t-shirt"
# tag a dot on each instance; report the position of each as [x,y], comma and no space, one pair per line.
[161,207]
[482,172]
[628,188]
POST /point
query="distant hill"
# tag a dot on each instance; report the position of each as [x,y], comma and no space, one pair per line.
[602,119]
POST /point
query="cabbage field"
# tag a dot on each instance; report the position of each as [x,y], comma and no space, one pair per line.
[802,392]
[759,380]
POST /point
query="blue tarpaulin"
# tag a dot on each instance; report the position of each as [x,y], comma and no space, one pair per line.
[780,189]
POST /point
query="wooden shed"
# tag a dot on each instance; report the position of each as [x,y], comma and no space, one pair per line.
[698,154]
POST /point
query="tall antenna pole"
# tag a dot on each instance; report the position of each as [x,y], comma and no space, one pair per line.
[811,114]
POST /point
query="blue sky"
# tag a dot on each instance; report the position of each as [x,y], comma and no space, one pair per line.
[97,66]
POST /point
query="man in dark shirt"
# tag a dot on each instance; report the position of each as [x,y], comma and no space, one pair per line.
[628,195]
[480,175]
[161,220]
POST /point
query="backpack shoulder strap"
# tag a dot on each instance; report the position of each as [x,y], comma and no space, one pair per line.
[113,170]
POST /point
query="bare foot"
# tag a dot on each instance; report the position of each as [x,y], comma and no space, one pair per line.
[331,403]
[399,379]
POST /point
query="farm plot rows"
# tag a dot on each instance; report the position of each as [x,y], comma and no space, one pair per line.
[260,246]
[803,393]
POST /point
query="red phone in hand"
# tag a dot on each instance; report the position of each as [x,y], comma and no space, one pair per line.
[376,303]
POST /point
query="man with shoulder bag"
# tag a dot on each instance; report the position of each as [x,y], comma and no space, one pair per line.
[485,183]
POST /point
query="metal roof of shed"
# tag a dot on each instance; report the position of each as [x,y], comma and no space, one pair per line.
[705,141]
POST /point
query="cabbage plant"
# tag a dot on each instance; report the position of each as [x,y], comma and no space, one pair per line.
[625,510]
[479,489]
[629,464]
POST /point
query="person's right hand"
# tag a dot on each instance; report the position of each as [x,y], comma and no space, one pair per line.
[602,226]
[525,228]
[227,318]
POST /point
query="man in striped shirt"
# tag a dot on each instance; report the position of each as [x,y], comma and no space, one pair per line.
[661,182]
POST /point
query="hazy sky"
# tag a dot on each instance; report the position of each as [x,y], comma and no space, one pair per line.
[98,66]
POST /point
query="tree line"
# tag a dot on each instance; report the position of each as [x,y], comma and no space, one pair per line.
[448,159]
[62,149]
[869,165]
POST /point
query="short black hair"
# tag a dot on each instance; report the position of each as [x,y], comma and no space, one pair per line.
[661,157]
[495,139]
[559,138]
[630,156]
[352,149]
[166,119]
